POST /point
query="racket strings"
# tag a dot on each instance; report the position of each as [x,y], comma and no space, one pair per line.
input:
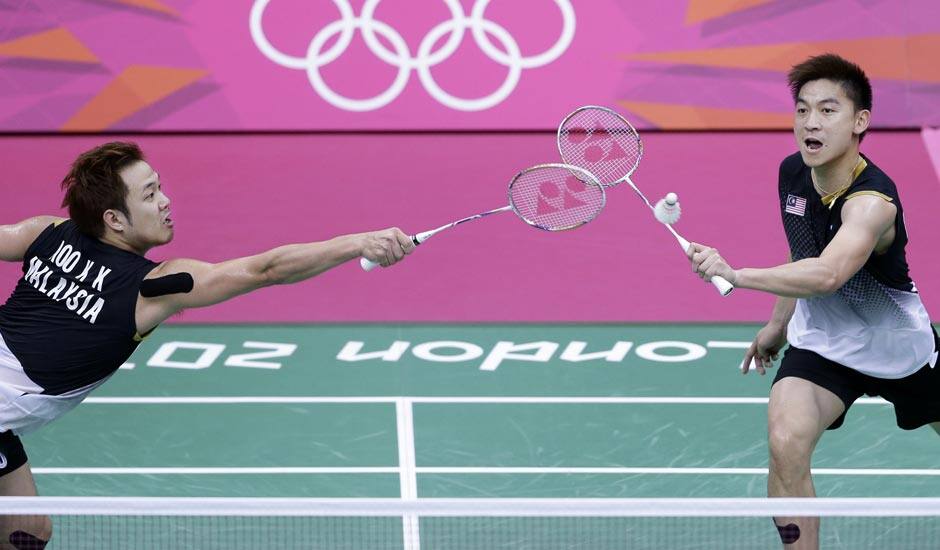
[556,198]
[601,142]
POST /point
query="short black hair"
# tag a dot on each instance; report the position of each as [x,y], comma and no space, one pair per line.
[832,67]
[94,184]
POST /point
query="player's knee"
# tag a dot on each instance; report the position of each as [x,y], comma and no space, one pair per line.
[789,446]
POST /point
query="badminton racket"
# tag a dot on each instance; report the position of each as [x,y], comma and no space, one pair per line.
[551,197]
[602,142]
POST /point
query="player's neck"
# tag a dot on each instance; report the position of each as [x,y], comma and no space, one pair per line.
[117,242]
[837,174]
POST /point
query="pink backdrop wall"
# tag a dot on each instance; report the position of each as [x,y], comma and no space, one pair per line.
[238,195]
[131,65]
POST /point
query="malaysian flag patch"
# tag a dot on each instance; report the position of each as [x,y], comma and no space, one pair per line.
[796,205]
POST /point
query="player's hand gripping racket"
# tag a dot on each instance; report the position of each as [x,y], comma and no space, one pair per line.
[605,144]
[552,197]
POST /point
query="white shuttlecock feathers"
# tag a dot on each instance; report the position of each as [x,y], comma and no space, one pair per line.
[667,210]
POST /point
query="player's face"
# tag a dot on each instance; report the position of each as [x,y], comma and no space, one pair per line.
[826,123]
[149,224]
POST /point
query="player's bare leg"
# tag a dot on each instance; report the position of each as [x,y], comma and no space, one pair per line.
[22,532]
[798,413]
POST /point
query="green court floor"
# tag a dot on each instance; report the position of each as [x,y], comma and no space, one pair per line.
[452,411]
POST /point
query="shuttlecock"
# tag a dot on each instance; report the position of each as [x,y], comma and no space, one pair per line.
[667,210]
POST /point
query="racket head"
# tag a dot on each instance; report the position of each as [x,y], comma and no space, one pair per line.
[601,141]
[556,197]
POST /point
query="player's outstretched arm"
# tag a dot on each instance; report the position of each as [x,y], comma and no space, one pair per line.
[214,283]
[867,221]
[16,238]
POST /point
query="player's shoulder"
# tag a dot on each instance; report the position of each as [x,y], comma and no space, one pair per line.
[792,165]
[38,225]
[43,221]
[46,219]
[19,239]
[873,180]
[790,178]
[872,175]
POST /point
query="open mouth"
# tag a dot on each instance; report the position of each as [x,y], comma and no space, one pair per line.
[813,144]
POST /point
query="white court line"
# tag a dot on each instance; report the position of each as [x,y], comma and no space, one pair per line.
[725,344]
[211,400]
[679,471]
[408,479]
[473,507]
[217,470]
[470,470]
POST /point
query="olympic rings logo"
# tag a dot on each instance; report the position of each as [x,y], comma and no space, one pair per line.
[509,56]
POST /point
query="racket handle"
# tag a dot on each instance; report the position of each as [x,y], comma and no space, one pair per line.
[369,265]
[721,284]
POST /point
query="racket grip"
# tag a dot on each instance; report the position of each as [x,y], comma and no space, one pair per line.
[369,265]
[721,284]
[724,287]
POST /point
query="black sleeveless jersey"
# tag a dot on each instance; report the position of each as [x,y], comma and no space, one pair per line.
[810,224]
[876,322]
[70,321]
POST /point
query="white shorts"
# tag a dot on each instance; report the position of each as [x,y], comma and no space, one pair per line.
[22,407]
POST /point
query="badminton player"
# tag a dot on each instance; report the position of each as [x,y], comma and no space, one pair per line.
[89,296]
[846,304]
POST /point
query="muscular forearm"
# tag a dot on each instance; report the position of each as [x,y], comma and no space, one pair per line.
[801,279]
[783,310]
[296,262]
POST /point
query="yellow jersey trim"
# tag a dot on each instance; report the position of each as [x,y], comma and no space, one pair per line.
[874,193]
[860,167]
[138,337]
